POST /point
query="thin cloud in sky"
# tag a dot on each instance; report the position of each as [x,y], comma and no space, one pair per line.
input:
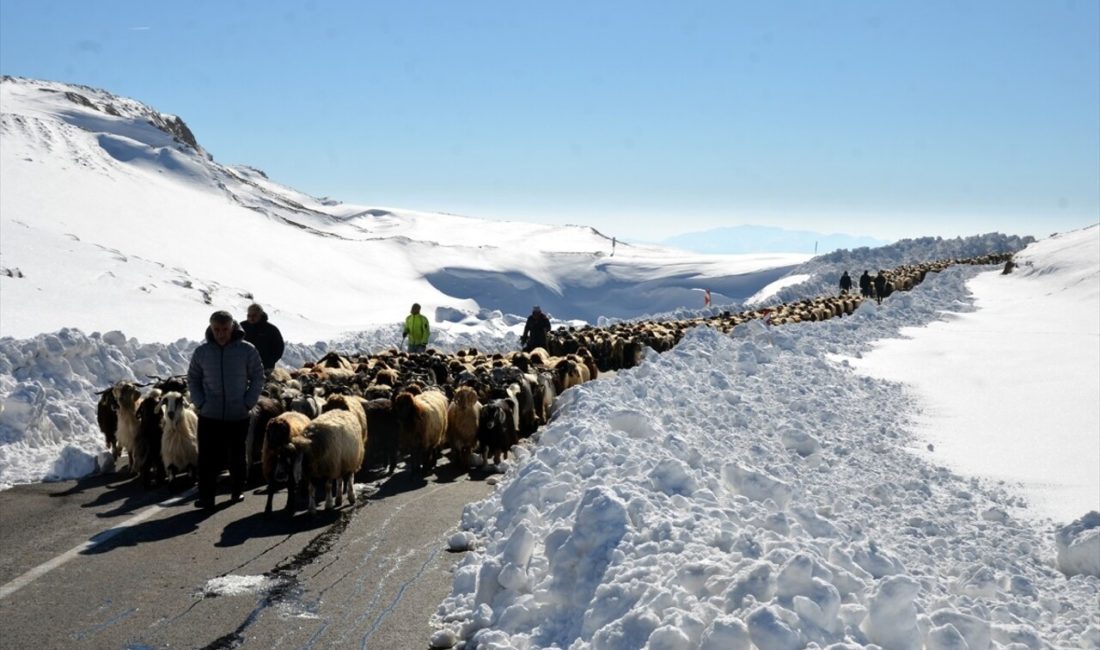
[143,28]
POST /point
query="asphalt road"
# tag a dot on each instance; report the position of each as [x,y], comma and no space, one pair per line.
[97,563]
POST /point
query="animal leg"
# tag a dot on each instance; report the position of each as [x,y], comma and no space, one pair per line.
[270,497]
[328,495]
[310,488]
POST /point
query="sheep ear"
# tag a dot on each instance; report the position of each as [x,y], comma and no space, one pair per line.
[297,470]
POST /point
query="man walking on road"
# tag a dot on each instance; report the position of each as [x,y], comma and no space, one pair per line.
[225,378]
[416,329]
[535,330]
[266,337]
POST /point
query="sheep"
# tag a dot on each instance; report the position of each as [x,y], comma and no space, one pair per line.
[332,452]
[179,447]
[145,454]
[569,373]
[353,405]
[462,422]
[106,415]
[496,432]
[281,460]
[384,432]
[422,419]
[127,396]
[280,375]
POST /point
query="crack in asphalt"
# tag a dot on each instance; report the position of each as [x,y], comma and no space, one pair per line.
[285,576]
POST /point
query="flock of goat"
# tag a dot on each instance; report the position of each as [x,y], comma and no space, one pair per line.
[323,423]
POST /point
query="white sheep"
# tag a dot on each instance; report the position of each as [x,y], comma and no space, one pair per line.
[332,451]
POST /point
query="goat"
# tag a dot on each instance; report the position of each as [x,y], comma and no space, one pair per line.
[496,431]
[262,413]
[179,447]
[283,440]
[127,397]
[106,415]
[145,454]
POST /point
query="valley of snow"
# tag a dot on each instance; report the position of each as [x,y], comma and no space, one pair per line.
[101,207]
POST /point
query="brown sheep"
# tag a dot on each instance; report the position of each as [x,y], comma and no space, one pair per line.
[353,405]
[462,419]
[422,419]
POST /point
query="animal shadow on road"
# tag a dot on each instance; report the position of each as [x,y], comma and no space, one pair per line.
[277,524]
[90,482]
[127,494]
[186,521]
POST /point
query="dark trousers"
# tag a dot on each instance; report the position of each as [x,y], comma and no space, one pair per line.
[221,442]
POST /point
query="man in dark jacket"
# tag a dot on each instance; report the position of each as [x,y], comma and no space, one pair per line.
[865,284]
[536,330]
[266,337]
[881,288]
[225,378]
[845,283]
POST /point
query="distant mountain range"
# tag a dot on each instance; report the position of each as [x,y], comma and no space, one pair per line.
[767,239]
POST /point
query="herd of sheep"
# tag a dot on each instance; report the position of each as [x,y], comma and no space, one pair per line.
[329,420]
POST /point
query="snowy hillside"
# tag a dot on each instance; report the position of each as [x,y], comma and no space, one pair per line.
[107,202]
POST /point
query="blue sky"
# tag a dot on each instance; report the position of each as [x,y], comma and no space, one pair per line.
[643,119]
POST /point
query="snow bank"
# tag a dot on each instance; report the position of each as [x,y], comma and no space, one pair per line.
[746,489]
[48,385]
[48,427]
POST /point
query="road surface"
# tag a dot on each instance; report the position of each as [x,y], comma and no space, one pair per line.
[103,563]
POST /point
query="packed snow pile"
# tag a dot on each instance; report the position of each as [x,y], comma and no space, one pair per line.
[752,491]
[824,271]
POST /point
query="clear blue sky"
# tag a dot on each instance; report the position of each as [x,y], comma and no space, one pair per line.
[643,119]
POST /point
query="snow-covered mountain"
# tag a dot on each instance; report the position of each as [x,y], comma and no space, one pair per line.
[108,202]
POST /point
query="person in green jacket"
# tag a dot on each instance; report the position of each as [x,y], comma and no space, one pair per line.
[416,329]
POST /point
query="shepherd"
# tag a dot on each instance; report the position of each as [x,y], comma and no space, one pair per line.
[706,297]
[416,329]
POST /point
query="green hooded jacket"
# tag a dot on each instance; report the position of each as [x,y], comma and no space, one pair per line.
[416,327]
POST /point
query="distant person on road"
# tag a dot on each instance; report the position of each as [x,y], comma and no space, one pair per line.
[865,284]
[613,247]
[225,378]
[416,329]
[880,287]
[845,284]
[266,337]
[536,330]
